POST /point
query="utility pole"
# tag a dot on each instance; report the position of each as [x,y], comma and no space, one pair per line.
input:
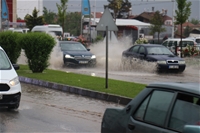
[173,10]
[0,16]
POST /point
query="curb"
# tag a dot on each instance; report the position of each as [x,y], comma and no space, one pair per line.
[77,90]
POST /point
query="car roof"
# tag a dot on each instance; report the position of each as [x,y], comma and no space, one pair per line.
[69,42]
[179,86]
[179,39]
[150,45]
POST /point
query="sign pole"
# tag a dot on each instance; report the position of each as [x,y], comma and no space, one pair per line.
[106,56]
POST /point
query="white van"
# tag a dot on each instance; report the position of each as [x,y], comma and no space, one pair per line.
[171,42]
[51,28]
[10,87]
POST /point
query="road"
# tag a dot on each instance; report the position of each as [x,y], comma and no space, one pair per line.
[139,73]
[46,110]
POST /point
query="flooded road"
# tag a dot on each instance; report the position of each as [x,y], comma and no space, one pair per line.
[46,110]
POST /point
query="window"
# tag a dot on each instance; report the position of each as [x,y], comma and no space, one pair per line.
[155,107]
[186,112]
[165,43]
[134,49]
[142,50]
[4,63]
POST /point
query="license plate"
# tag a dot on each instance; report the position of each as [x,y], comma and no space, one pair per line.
[173,67]
[83,62]
[1,96]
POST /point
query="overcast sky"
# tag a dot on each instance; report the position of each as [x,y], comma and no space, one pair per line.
[138,6]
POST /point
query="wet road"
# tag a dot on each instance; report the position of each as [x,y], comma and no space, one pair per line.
[46,110]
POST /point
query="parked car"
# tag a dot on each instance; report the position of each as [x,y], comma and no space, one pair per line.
[197,40]
[10,88]
[158,108]
[170,43]
[165,59]
[75,53]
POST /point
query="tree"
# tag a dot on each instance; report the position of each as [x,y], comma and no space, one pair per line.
[156,24]
[49,16]
[194,21]
[33,20]
[187,31]
[120,8]
[182,14]
[62,12]
[73,20]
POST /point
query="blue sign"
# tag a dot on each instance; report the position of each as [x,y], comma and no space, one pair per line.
[4,13]
[86,7]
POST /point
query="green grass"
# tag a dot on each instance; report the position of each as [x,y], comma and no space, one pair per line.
[117,87]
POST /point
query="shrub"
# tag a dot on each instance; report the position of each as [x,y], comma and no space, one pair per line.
[9,42]
[37,47]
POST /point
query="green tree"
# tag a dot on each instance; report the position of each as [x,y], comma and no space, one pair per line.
[72,23]
[34,19]
[182,14]
[49,16]
[120,8]
[194,21]
[62,12]
[187,31]
[156,24]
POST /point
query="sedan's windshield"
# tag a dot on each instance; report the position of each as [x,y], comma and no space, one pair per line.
[4,63]
[159,50]
[72,47]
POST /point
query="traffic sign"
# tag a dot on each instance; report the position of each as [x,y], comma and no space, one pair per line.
[106,20]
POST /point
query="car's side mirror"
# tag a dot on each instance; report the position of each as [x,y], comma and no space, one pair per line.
[16,67]
[191,129]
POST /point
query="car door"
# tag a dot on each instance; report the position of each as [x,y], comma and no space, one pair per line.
[151,115]
[142,53]
[132,53]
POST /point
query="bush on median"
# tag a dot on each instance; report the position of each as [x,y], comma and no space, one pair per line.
[37,47]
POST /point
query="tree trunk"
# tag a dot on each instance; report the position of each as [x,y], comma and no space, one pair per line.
[158,37]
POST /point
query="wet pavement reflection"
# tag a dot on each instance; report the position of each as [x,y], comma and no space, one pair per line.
[47,110]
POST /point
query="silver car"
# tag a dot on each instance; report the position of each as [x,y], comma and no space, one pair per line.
[159,108]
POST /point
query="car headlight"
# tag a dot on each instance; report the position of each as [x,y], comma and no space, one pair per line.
[68,56]
[14,81]
[93,57]
[181,62]
[161,62]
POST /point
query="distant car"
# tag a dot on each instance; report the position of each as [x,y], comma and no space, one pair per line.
[75,53]
[170,43]
[159,108]
[165,59]
[197,40]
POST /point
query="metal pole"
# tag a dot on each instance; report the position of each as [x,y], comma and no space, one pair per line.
[173,10]
[106,56]
[0,16]
[82,24]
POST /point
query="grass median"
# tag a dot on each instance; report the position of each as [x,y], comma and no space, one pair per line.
[116,87]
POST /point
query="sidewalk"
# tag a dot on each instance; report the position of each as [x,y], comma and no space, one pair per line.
[77,90]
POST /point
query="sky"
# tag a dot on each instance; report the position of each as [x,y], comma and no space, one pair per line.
[138,6]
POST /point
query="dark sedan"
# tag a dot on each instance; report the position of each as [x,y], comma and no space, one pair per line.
[165,59]
[159,108]
[75,53]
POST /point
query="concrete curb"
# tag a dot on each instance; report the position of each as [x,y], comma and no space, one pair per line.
[77,90]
